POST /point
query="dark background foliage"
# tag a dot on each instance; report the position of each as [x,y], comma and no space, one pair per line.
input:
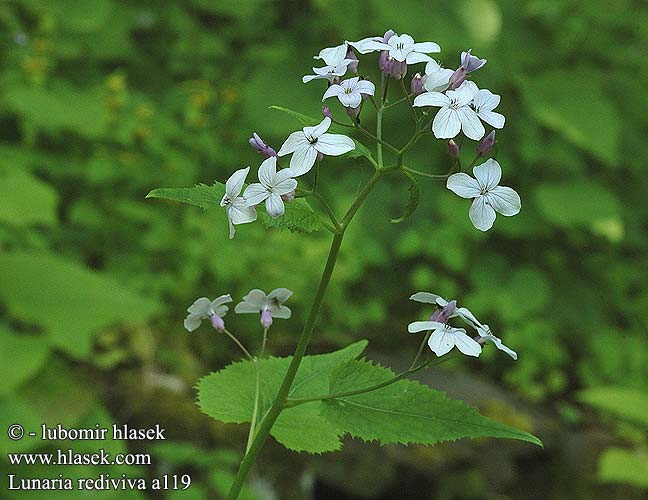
[101,101]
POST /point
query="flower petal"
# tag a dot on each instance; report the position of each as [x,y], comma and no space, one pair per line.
[416,57]
[427,47]
[200,307]
[352,100]
[333,55]
[281,295]
[505,200]
[466,344]
[485,100]
[333,91]
[254,301]
[319,129]
[223,299]
[281,312]
[431,99]
[468,317]
[425,297]
[365,87]
[334,144]
[285,187]
[267,171]
[441,342]
[438,81]
[494,119]
[470,124]
[255,194]
[420,326]
[234,184]
[446,124]
[274,205]
[488,174]
[463,185]
[481,214]
[303,160]
[294,142]
[370,44]
[192,322]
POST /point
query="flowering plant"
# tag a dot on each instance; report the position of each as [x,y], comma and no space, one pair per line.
[309,402]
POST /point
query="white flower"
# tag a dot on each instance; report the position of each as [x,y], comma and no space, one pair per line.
[237,211]
[271,187]
[437,78]
[487,336]
[203,308]
[350,91]
[306,143]
[333,55]
[455,114]
[329,72]
[484,103]
[432,298]
[369,44]
[488,196]
[268,306]
[403,48]
[444,337]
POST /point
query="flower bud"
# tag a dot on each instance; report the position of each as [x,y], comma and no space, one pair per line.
[457,78]
[326,112]
[353,67]
[217,322]
[442,315]
[395,69]
[257,143]
[320,156]
[453,147]
[486,144]
[471,63]
[353,112]
[417,84]
[288,196]
[266,318]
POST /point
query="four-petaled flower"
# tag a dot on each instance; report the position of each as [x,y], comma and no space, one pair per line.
[268,306]
[404,48]
[488,196]
[271,187]
[329,72]
[236,209]
[203,308]
[350,91]
[444,337]
[455,114]
[306,143]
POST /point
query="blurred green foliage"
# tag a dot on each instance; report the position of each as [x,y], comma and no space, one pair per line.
[101,101]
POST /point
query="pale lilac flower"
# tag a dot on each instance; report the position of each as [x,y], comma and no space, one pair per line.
[444,337]
[259,144]
[484,103]
[305,145]
[203,308]
[488,196]
[442,306]
[351,91]
[267,306]
[416,86]
[271,187]
[329,72]
[456,113]
[236,209]
[471,63]
[486,144]
[402,48]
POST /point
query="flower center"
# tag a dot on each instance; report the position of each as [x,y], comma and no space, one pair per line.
[348,90]
[400,45]
[311,139]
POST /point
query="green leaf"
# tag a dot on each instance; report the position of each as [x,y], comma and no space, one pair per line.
[25,200]
[561,106]
[618,465]
[68,301]
[200,195]
[413,201]
[577,203]
[628,404]
[24,355]
[298,217]
[406,411]
[228,396]
[307,121]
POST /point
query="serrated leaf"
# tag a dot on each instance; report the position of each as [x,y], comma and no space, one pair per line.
[307,121]
[200,195]
[413,201]
[623,402]
[298,217]
[228,396]
[67,300]
[406,411]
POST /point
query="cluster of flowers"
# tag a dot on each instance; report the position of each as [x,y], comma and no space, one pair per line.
[443,336]
[463,107]
[256,301]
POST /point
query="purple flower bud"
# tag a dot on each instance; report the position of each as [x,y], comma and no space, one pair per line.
[453,147]
[288,196]
[257,143]
[320,156]
[353,67]
[442,315]
[326,112]
[353,112]
[417,84]
[457,78]
[471,63]
[266,318]
[217,322]
[395,69]
[486,144]
[388,34]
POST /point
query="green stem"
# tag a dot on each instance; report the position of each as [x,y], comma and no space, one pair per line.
[238,343]
[360,199]
[420,350]
[409,101]
[327,208]
[255,408]
[377,139]
[424,174]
